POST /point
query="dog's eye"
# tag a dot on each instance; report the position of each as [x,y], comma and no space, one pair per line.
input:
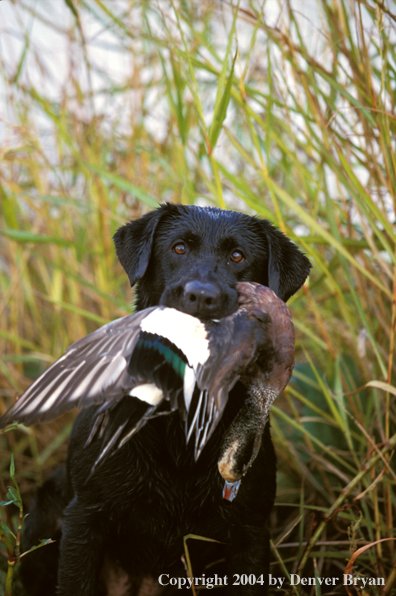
[237,256]
[179,248]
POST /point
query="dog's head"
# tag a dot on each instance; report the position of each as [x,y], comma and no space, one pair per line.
[191,258]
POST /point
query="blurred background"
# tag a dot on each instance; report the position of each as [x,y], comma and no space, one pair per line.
[283,109]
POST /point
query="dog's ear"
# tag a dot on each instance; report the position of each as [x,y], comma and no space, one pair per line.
[133,243]
[288,267]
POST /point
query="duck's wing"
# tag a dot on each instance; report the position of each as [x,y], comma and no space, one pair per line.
[93,370]
[148,357]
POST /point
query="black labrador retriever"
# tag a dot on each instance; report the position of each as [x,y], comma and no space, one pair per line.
[121,531]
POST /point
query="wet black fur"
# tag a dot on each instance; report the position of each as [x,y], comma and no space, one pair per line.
[140,503]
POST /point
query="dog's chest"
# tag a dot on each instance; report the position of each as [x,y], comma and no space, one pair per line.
[172,490]
[165,506]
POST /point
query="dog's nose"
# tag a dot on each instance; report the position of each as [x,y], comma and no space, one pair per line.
[201,299]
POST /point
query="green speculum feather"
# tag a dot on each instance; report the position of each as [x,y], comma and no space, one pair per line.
[177,363]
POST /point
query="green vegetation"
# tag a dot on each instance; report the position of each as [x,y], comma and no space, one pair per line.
[292,118]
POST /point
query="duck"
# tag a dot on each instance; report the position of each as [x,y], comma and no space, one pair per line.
[164,360]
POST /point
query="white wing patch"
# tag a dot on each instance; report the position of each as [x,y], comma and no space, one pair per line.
[149,393]
[183,330]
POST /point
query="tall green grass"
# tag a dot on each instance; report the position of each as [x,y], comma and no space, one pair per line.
[285,110]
